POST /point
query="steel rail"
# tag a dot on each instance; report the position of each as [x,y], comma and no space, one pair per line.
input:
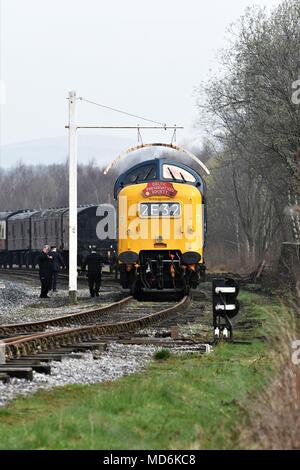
[28,272]
[28,345]
[65,320]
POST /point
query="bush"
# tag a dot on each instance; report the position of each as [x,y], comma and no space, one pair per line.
[162,354]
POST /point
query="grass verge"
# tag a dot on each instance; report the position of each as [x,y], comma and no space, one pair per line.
[183,402]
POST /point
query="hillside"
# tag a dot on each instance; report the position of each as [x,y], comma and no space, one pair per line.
[101,149]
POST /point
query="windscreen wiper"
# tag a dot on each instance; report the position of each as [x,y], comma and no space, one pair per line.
[148,173]
[171,174]
[183,178]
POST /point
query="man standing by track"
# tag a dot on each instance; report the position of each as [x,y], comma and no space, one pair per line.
[94,263]
[57,263]
[45,270]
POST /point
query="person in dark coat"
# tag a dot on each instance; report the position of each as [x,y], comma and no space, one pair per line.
[94,263]
[57,263]
[45,262]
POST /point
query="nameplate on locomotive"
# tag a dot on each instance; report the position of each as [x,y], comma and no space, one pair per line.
[159,188]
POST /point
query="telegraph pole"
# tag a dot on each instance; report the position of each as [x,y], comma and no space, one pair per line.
[72,198]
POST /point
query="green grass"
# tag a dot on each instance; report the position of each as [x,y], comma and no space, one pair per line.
[187,402]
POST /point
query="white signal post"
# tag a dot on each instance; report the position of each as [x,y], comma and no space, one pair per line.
[72,198]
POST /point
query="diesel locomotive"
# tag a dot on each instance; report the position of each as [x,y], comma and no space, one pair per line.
[161,228]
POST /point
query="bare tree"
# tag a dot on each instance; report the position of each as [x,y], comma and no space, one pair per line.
[249,114]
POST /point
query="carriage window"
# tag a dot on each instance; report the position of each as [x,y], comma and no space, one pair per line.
[2,230]
[140,174]
[174,172]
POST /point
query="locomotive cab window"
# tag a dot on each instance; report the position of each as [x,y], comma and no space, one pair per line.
[174,172]
[138,175]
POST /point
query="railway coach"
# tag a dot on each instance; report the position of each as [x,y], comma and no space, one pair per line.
[161,228]
[24,232]
[5,257]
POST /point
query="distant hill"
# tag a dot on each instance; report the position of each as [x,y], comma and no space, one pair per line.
[101,149]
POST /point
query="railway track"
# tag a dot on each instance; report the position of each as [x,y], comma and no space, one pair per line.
[33,274]
[34,345]
[79,318]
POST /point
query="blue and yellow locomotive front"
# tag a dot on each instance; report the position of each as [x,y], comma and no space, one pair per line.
[161,227]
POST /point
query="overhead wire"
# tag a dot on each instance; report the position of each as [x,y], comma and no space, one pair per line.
[163,124]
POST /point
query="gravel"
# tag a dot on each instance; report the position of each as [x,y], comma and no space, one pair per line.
[21,303]
[14,296]
[117,361]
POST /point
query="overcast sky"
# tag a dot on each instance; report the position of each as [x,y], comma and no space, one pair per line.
[145,57]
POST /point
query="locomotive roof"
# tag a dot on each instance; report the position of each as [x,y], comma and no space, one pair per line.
[157,164]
